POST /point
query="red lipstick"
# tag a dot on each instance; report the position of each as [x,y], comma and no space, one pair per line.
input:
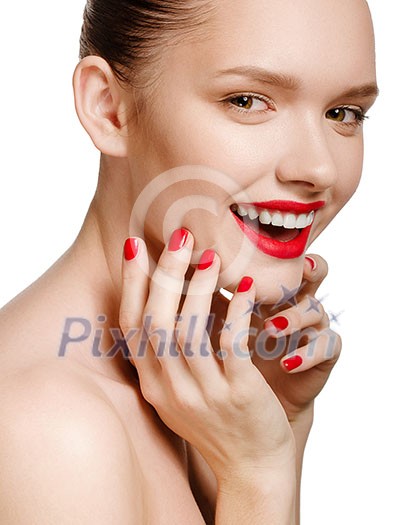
[264,237]
[289,206]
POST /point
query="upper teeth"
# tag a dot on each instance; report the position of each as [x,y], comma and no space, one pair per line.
[276,218]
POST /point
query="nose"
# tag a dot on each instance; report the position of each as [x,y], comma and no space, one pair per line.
[307,158]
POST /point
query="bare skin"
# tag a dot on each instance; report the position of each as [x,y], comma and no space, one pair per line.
[79,443]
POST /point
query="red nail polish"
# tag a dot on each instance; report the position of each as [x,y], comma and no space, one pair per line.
[280,323]
[245,285]
[178,240]
[292,363]
[312,262]
[206,260]
[130,249]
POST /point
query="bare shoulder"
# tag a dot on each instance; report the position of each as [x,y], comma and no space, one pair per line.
[64,454]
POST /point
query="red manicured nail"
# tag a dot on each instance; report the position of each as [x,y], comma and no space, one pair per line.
[312,262]
[206,260]
[292,363]
[178,240]
[245,285]
[130,249]
[280,323]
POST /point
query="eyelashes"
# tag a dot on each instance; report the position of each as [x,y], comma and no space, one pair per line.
[340,113]
[242,103]
[249,105]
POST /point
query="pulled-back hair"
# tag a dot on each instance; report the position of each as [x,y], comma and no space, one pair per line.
[133,34]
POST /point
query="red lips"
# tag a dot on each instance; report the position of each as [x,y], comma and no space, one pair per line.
[289,206]
[290,249]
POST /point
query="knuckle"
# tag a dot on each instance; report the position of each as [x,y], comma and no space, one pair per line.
[168,280]
[295,318]
[338,344]
[171,265]
[325,320]
[333,344]
[316,307]
[149,392]
[322,269]
[311,308]
[154,326]
[225,340]
[183,336]
[152,321]
[242,397]
[125,321]
[187,403]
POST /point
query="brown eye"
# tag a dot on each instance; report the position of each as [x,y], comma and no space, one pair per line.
[243,102]
[248,103]
[346,115]
[338,114]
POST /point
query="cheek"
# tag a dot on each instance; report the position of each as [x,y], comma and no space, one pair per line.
[190,135]
[350,165]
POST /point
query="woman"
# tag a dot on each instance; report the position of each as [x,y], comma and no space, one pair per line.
[228,144]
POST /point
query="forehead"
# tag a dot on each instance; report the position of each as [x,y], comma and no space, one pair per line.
[324,40]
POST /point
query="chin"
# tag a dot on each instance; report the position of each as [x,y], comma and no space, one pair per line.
[276,289]
[276,280]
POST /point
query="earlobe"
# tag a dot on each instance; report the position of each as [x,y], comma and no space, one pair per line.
[100,107]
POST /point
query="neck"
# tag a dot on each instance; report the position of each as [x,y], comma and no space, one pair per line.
[93,263]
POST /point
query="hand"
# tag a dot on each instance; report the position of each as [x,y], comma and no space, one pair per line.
[311,347]
[217,401]
[296,377]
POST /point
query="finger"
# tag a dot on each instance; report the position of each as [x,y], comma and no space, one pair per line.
[135,283]
[191,329]
[322,352]
[315,271]
[165,292]
[307,313]
[234,337]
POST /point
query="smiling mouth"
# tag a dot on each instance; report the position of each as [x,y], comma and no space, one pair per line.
[278,228]
[277,225]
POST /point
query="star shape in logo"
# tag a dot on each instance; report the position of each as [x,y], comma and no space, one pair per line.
[254,308]
[288,297]
[226,327]
[334,318]
[313,305]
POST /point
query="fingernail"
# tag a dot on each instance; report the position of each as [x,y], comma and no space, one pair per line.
[312,262]
[178,240]
[206,260]
[280,323]
[292,362]
[130,249]
[245,285]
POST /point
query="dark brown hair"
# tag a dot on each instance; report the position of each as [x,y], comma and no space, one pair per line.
[133,34]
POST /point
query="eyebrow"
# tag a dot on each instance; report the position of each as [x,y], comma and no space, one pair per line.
[263,75]
[291,83]
[364,91]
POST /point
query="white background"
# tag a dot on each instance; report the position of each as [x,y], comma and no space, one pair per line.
[48,176]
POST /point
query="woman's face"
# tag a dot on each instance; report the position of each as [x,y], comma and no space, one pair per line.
[269,104]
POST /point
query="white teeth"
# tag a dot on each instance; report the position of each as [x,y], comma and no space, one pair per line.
[290,221]
[242,211]
[311,216]
[301,221]
[277,219]
[286,220]
[253,214]
[265,217]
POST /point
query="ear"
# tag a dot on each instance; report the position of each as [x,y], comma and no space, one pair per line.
[100,105]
